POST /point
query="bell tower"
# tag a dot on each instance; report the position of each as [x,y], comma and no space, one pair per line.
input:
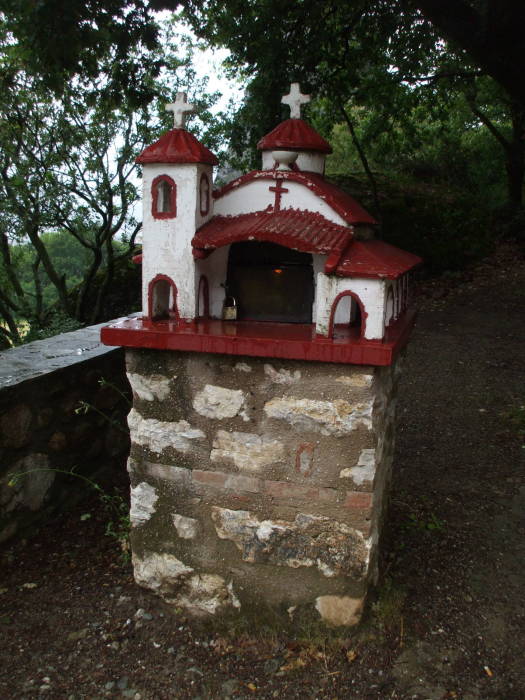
[177,179]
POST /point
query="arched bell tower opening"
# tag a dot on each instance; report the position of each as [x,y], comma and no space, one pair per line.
[270,282]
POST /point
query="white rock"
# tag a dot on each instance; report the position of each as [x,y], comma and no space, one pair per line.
[242,367]
[356,380]
[206,593]
[162,573]
[218,402]
[336,418]
[158,435]
[282,376]
[364,470]
[335,548]
[148,388]
[187,528]
[247,451]
[143,499]
[33,480]
[339,610]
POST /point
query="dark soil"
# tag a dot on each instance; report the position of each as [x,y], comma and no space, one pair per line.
[447,620]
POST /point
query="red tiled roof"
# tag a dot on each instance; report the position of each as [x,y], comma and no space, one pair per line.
[311,233]
[177,146]
[375,259]
[296,135]
[302,230]
[341,202]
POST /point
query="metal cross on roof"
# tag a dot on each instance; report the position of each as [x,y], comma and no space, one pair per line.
[180,108]
[295,99]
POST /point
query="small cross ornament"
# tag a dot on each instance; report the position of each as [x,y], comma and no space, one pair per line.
[180,108]
[295,99]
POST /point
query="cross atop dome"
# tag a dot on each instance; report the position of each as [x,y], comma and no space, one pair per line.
[180,108]
[295,99]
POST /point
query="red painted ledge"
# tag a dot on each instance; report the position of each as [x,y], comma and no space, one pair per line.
[291,341]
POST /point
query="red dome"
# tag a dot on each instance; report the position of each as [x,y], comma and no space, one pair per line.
[177,146]
[294,135]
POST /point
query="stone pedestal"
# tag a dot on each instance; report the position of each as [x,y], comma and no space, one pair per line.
[258,483]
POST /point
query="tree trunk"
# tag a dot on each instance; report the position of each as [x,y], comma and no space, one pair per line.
[364,160]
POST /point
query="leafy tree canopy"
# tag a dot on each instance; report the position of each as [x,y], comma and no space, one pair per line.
[59,38]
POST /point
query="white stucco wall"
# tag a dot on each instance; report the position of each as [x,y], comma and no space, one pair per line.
[256,196]
[166,243]
[215,268]
[371,292]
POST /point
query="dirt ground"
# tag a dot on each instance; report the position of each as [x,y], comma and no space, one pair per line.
[447,620]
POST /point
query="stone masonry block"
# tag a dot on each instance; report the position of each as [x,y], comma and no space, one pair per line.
[287,511]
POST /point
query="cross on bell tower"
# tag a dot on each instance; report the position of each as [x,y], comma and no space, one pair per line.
[295,99]
[180,108]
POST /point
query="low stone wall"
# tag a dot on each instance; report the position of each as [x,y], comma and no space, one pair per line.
[258,483]
[60,407]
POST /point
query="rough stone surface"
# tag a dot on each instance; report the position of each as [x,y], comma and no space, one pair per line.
[242,367]
[57,441]
[206,593]
[162,573]
[187,528]
[356,380]
[218,402]
[143,500]
[288,512]
[339,610]
[15,426]
[247,451]
[158,435]
[43,357]
[51,392]
[304,459]
[335,418]
[310,540]
[200,593]
[282,376]
[150,388]
[364,470]
[27,483]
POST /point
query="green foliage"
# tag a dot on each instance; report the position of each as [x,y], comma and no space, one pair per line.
[387,609]
[57,322]
[446,227]
[115,506]
[85,407]
[396,98]
[68,178]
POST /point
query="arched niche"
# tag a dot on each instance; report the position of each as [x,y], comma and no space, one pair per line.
[163,198]
[204,195]
[270,282]
[349,306]
[203,298]
[162,299]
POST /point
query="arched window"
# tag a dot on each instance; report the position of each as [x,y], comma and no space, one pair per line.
[163,198]
[349,304]
[204,195]
[162,299]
